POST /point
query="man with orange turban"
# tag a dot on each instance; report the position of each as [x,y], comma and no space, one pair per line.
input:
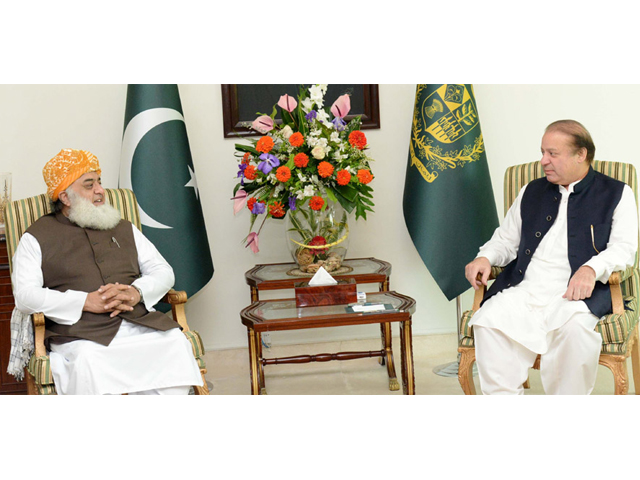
[96,278]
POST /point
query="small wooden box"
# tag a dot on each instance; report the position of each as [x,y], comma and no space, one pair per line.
[342,293]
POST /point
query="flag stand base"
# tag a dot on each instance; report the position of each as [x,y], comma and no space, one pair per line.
[451,370]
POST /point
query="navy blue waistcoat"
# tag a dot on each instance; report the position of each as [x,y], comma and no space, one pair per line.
[592,203]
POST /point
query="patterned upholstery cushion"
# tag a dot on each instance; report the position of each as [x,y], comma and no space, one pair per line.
[198,347]
[615,329]
[40,369]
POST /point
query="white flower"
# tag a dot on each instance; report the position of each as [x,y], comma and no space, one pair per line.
[316,95]
[307,105]
[324,117]
[335,137]
[318,152]
[309,190]
[286,132]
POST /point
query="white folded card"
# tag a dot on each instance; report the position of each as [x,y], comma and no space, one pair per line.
[322,277]
[368,308]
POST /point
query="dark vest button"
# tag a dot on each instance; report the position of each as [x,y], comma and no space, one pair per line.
[527,251]
[520,272]
[548,218]
[538,234]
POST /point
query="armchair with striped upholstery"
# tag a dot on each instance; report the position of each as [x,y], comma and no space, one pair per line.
[619,330]
[19,215]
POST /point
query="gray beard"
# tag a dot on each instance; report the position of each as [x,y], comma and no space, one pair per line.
[87,215]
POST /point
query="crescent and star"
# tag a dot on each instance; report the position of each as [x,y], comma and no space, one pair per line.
[137,128]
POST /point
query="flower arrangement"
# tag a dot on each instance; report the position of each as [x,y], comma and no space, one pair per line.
[303,163]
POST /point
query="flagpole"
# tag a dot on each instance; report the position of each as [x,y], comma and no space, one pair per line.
[451,369]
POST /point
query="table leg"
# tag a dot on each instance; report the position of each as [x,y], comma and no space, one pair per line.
[253,362]
[406,344]
[388,356]
[263,389]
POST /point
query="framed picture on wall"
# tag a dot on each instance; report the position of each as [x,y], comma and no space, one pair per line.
[242,102]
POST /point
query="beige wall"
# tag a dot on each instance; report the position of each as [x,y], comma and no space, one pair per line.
[39,120]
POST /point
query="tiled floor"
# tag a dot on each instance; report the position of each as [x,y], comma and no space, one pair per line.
[228,370]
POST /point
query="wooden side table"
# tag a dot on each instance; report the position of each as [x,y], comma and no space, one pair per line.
[274,276]
[278,315]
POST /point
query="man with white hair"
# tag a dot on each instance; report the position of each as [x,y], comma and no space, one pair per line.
[96,278]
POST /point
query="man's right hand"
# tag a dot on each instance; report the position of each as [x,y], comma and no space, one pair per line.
[480,266]
[110,298]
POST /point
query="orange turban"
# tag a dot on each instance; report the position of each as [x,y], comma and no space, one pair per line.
[66,167]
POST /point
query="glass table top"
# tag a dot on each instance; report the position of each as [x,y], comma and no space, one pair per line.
[283,309]
[278,271]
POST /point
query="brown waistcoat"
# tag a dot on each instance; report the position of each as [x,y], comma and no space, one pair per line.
[82,259]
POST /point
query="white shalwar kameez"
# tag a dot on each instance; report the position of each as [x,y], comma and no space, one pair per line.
[139,360]
[532,318]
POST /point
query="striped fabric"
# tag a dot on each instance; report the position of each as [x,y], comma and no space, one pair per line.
[40,369]
[615,329]
[197,346]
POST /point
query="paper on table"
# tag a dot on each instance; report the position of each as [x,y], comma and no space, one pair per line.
[322,277]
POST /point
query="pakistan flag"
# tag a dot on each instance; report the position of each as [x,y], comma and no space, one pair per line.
[156,164]
[448,202]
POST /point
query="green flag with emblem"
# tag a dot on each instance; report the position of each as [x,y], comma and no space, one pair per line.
[156,164]
[448,202]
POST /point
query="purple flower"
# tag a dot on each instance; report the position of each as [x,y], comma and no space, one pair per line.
[269,161]
[258,208]
[311,115]
[241,168]
[292,203]
[339,123]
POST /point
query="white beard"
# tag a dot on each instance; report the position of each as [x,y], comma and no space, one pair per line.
[87,215]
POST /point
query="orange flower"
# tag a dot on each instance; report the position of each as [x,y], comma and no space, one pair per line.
[316,203]
[301,160]
[250,172]
[296,140]
[325,169]
[357,139]
[283,174]
[250,203]
[265,144]
[364,176]
[343,177]
[246,158]
[276,210]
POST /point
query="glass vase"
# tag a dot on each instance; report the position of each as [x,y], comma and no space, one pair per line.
[318,238]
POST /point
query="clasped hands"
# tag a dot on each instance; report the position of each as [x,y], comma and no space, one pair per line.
[580,286]
[114,298]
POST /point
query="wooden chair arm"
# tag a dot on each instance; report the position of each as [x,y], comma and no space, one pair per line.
[38,332]
[177,300]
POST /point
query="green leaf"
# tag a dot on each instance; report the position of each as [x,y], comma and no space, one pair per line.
[347,191]
[247,148]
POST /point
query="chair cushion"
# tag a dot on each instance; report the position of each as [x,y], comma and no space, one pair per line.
[40,369]
[198,347]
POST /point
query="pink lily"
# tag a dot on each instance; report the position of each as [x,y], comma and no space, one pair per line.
[239,201]
[252,241]
[263,124]
[341,106]
[287,103]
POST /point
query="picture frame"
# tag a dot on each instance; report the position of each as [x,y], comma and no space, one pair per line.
[242,102]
